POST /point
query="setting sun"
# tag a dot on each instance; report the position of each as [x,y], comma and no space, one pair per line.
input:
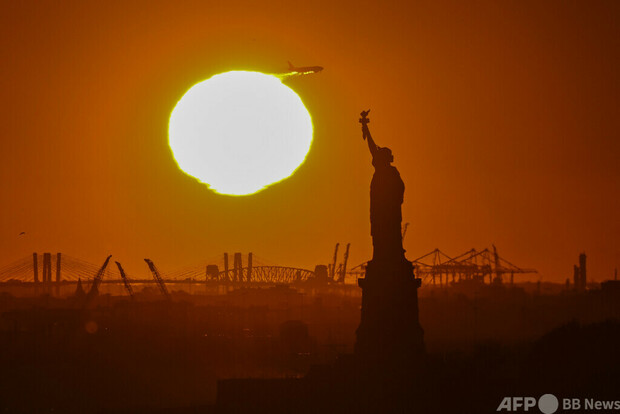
[239,132]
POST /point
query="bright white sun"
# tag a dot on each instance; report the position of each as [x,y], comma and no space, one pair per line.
[238,132]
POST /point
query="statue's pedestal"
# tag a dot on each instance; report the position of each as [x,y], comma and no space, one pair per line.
[389,335]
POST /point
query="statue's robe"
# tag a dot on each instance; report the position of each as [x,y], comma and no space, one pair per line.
[386,197]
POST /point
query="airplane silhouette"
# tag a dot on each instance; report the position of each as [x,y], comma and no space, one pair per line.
[304,69]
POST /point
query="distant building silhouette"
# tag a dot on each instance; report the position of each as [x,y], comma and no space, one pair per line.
[579,274]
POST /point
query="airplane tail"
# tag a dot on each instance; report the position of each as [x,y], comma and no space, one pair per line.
[290,66]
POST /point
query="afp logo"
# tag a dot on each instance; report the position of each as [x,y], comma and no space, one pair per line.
[547,404]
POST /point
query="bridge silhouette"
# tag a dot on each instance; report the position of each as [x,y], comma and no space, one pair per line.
[435,267]
[66,269]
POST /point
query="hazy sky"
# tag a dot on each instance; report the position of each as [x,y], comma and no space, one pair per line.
[503,117]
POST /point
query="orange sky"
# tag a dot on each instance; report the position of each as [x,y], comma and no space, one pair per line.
[503,118]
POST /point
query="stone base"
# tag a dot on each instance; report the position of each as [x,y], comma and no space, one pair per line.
[389,334]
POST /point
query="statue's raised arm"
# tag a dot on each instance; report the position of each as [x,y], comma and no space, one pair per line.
[366,132]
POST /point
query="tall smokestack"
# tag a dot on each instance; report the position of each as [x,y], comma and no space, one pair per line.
[250,267]
[238,267]
[47,272]
[226,264]
[35,267]
[582,270]
[57,274]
